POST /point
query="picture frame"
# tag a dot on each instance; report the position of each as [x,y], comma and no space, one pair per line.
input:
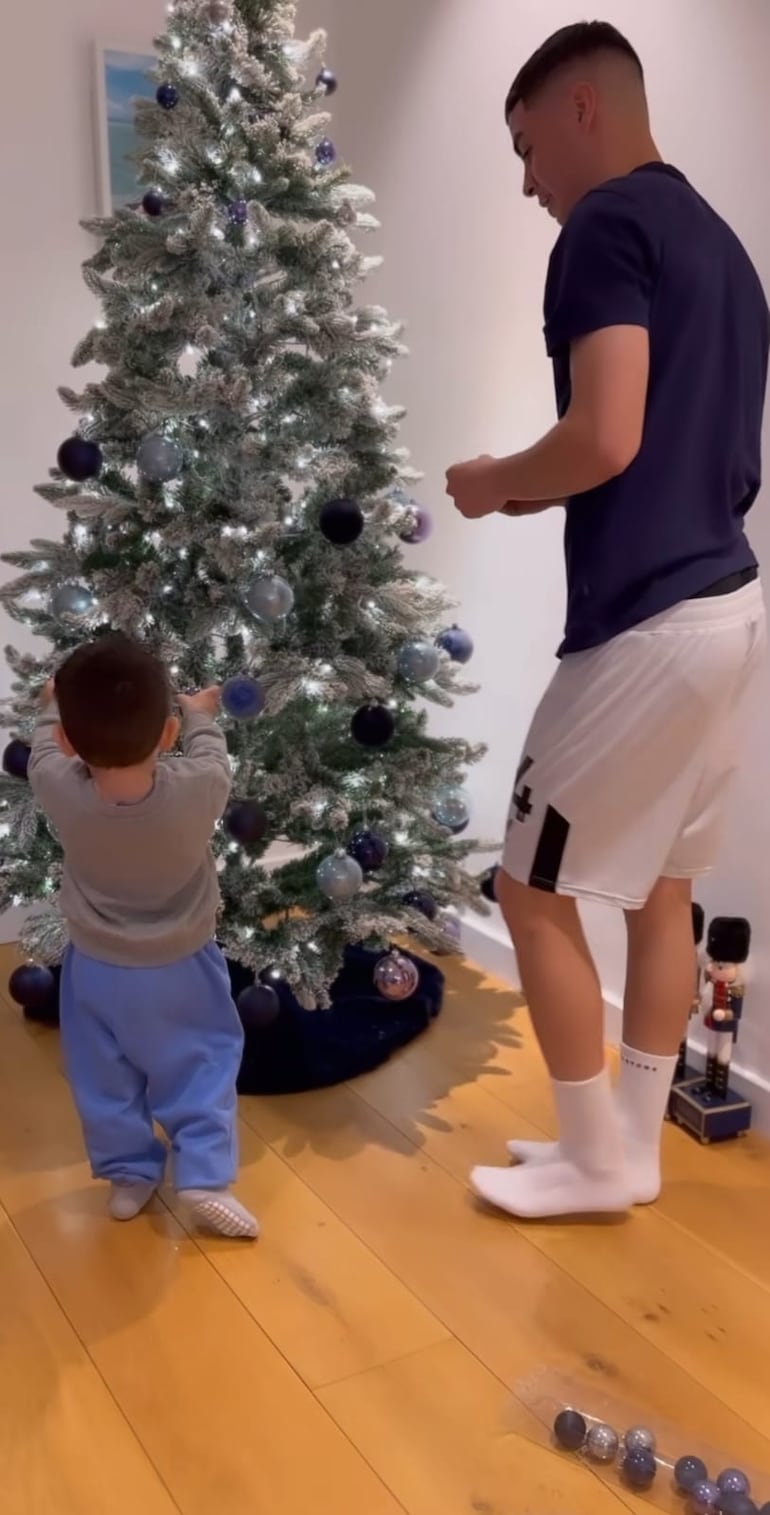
[121,78]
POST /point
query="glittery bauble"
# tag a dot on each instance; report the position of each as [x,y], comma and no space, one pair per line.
[247,822]
[341,522]
[80,460]
[340,878]
[328,81]
[737,1504]
[16,759]
[159,459]
[570,1430]
[639,1468]
[258,1007]
[488,884]
[418,662]
[425,903]
[688,1471]
[72,603]
[167,96]
[153,203]
[734,1481]
[242,698]
[31,986]
[704,1498]
[326,153]
[218,11]
[369,850]
[451,809]
[238,212]
[603,1443]
[270,598]
[396,977]
[457,643]
[640,1439]
[373,726]
[418,527]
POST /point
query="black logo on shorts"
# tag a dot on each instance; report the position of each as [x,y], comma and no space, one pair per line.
[522,798]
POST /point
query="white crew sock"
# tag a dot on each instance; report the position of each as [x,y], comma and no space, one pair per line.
[129,1197]
[588,1175]
[644,1086]
[220,1213]
[642,1095]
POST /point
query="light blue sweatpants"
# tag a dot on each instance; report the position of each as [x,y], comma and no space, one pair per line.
[154,1042]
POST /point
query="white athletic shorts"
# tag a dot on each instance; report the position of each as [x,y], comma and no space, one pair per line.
[628,764]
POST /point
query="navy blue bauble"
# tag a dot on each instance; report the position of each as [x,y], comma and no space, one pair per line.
[16,759]
[734,1481]
[570,1430]
[247,822]
[258,1007]
[416,899]
[326,153]
[373,726]
[80,460]
[243,698]
[31,986]
[488,885]
[457,643]
[688,1471]
[167,96]
[342,522]
[369,850]
[737,1504]
[328,81]
[639,1469]
[153,203]
[238,212]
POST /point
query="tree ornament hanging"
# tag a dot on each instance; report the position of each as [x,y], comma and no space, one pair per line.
[270,598]
[16,759]
[247,822]
[243,699]
[71,604]
[396,977]
[341,522]
[326,153]
[418,662]
[167,96]
[328,81]
[340,878]
[456,643]
[79,459]
[373,726]
[159,459]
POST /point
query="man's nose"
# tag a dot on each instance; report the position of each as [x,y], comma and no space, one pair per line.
[530,187]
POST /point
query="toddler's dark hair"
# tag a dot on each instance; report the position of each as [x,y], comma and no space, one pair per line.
[114,699]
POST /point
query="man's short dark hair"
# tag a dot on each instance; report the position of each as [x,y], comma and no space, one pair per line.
[114,699]
[582,40]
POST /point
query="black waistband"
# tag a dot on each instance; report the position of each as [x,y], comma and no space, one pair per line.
[730,585]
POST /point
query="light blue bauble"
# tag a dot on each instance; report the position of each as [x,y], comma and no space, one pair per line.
[418,662]
[339,877]
[270,598]
[72,603]
[159,459]
[451,808]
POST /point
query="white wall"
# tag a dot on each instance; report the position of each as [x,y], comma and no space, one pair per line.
[420,117]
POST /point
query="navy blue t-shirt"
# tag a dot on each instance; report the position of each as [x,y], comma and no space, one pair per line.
[646,250]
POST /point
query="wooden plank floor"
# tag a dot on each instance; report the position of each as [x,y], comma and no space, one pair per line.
[378,1351]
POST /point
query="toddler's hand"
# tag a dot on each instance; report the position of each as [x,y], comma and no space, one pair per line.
[206,700]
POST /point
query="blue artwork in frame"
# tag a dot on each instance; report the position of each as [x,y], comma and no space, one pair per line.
[122,78]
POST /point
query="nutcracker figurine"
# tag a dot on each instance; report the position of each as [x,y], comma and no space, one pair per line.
[727,949]
[698,927]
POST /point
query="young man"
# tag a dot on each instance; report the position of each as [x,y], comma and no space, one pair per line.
[659,334]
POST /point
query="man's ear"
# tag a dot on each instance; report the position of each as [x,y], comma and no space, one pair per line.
[64,742]
[584,104]
[170,735]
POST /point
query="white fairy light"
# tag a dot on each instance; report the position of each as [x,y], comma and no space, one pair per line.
[256,175]
[215,156]
[80,534]
[176,42]
[402,838]
[235,95]
[174,669]
[189,66]
[169,161]
[217,234]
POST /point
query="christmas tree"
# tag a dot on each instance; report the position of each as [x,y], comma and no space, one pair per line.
[235,494]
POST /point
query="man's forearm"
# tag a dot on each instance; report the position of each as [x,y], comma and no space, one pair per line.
[569,460]
[530,507]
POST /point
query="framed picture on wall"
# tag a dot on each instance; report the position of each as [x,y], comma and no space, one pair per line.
[121,79]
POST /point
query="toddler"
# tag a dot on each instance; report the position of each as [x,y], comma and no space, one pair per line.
[148,1024]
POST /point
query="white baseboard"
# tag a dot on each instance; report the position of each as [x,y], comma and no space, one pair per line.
[486,943]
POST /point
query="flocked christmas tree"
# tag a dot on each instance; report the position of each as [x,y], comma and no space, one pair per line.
[235,495]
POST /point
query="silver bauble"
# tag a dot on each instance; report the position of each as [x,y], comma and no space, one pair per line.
[640,1439]
[418,662]
[602,1443]
[270,598]
[451,808]
[339,877]
[159,459]
[72,603]
[396,976]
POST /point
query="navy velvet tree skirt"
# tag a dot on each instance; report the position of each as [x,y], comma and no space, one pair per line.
[312,1049]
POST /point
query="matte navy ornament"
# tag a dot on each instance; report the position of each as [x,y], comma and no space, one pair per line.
[570,1430]
[734,1481]
[16,759]
[417,899]
[341,522]
[328,81]
[488,884]
[246,821]
[31,986]
[258,1007]
[167,96]
[373,726]
[639,1469]
[369,850]
[79,459]
[457,643]
[688,1471]
[153,203]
